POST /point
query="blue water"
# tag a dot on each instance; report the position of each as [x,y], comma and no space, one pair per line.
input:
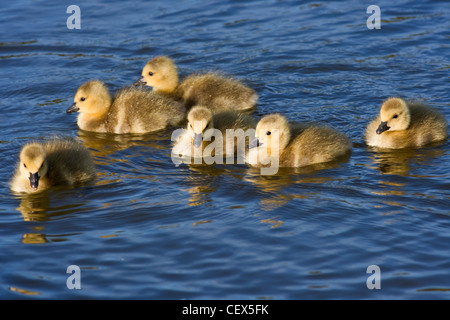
[146,229]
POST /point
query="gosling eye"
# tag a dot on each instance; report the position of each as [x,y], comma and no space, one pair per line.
[24,165]
[395,116]
[83,98]
[150,73]
[268,133]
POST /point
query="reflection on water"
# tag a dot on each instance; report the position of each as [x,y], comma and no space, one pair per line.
[273,222]
[391,189]
[40,207]
[25,291]
[399,162]
[103,145]
[272,186]
[396,190]
[204,180]
[201,182]
[114,154]
[199,195]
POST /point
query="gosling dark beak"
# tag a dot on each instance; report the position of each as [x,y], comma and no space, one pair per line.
[198,140]
[382,127]
[140,82]
[34,180]
[73,108]
[254,143]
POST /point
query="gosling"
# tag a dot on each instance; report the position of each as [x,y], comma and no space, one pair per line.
[200,131]
[59,162]
[212,90]
[402,124]
[295,145]
[133,110]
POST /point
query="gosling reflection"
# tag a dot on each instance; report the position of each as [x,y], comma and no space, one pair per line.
[273,222]
[272,186]
[33,207]
[391,197]
[272,189]
[199,195]
[103,145]
[201,182]
[400,162]
[34,238]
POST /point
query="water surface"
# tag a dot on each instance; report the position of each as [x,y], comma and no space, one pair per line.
[147,229]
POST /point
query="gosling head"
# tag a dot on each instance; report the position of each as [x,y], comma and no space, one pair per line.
[267,130]
[200,119]
[394,115]
[92,98]
[33,163]
[161,74]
